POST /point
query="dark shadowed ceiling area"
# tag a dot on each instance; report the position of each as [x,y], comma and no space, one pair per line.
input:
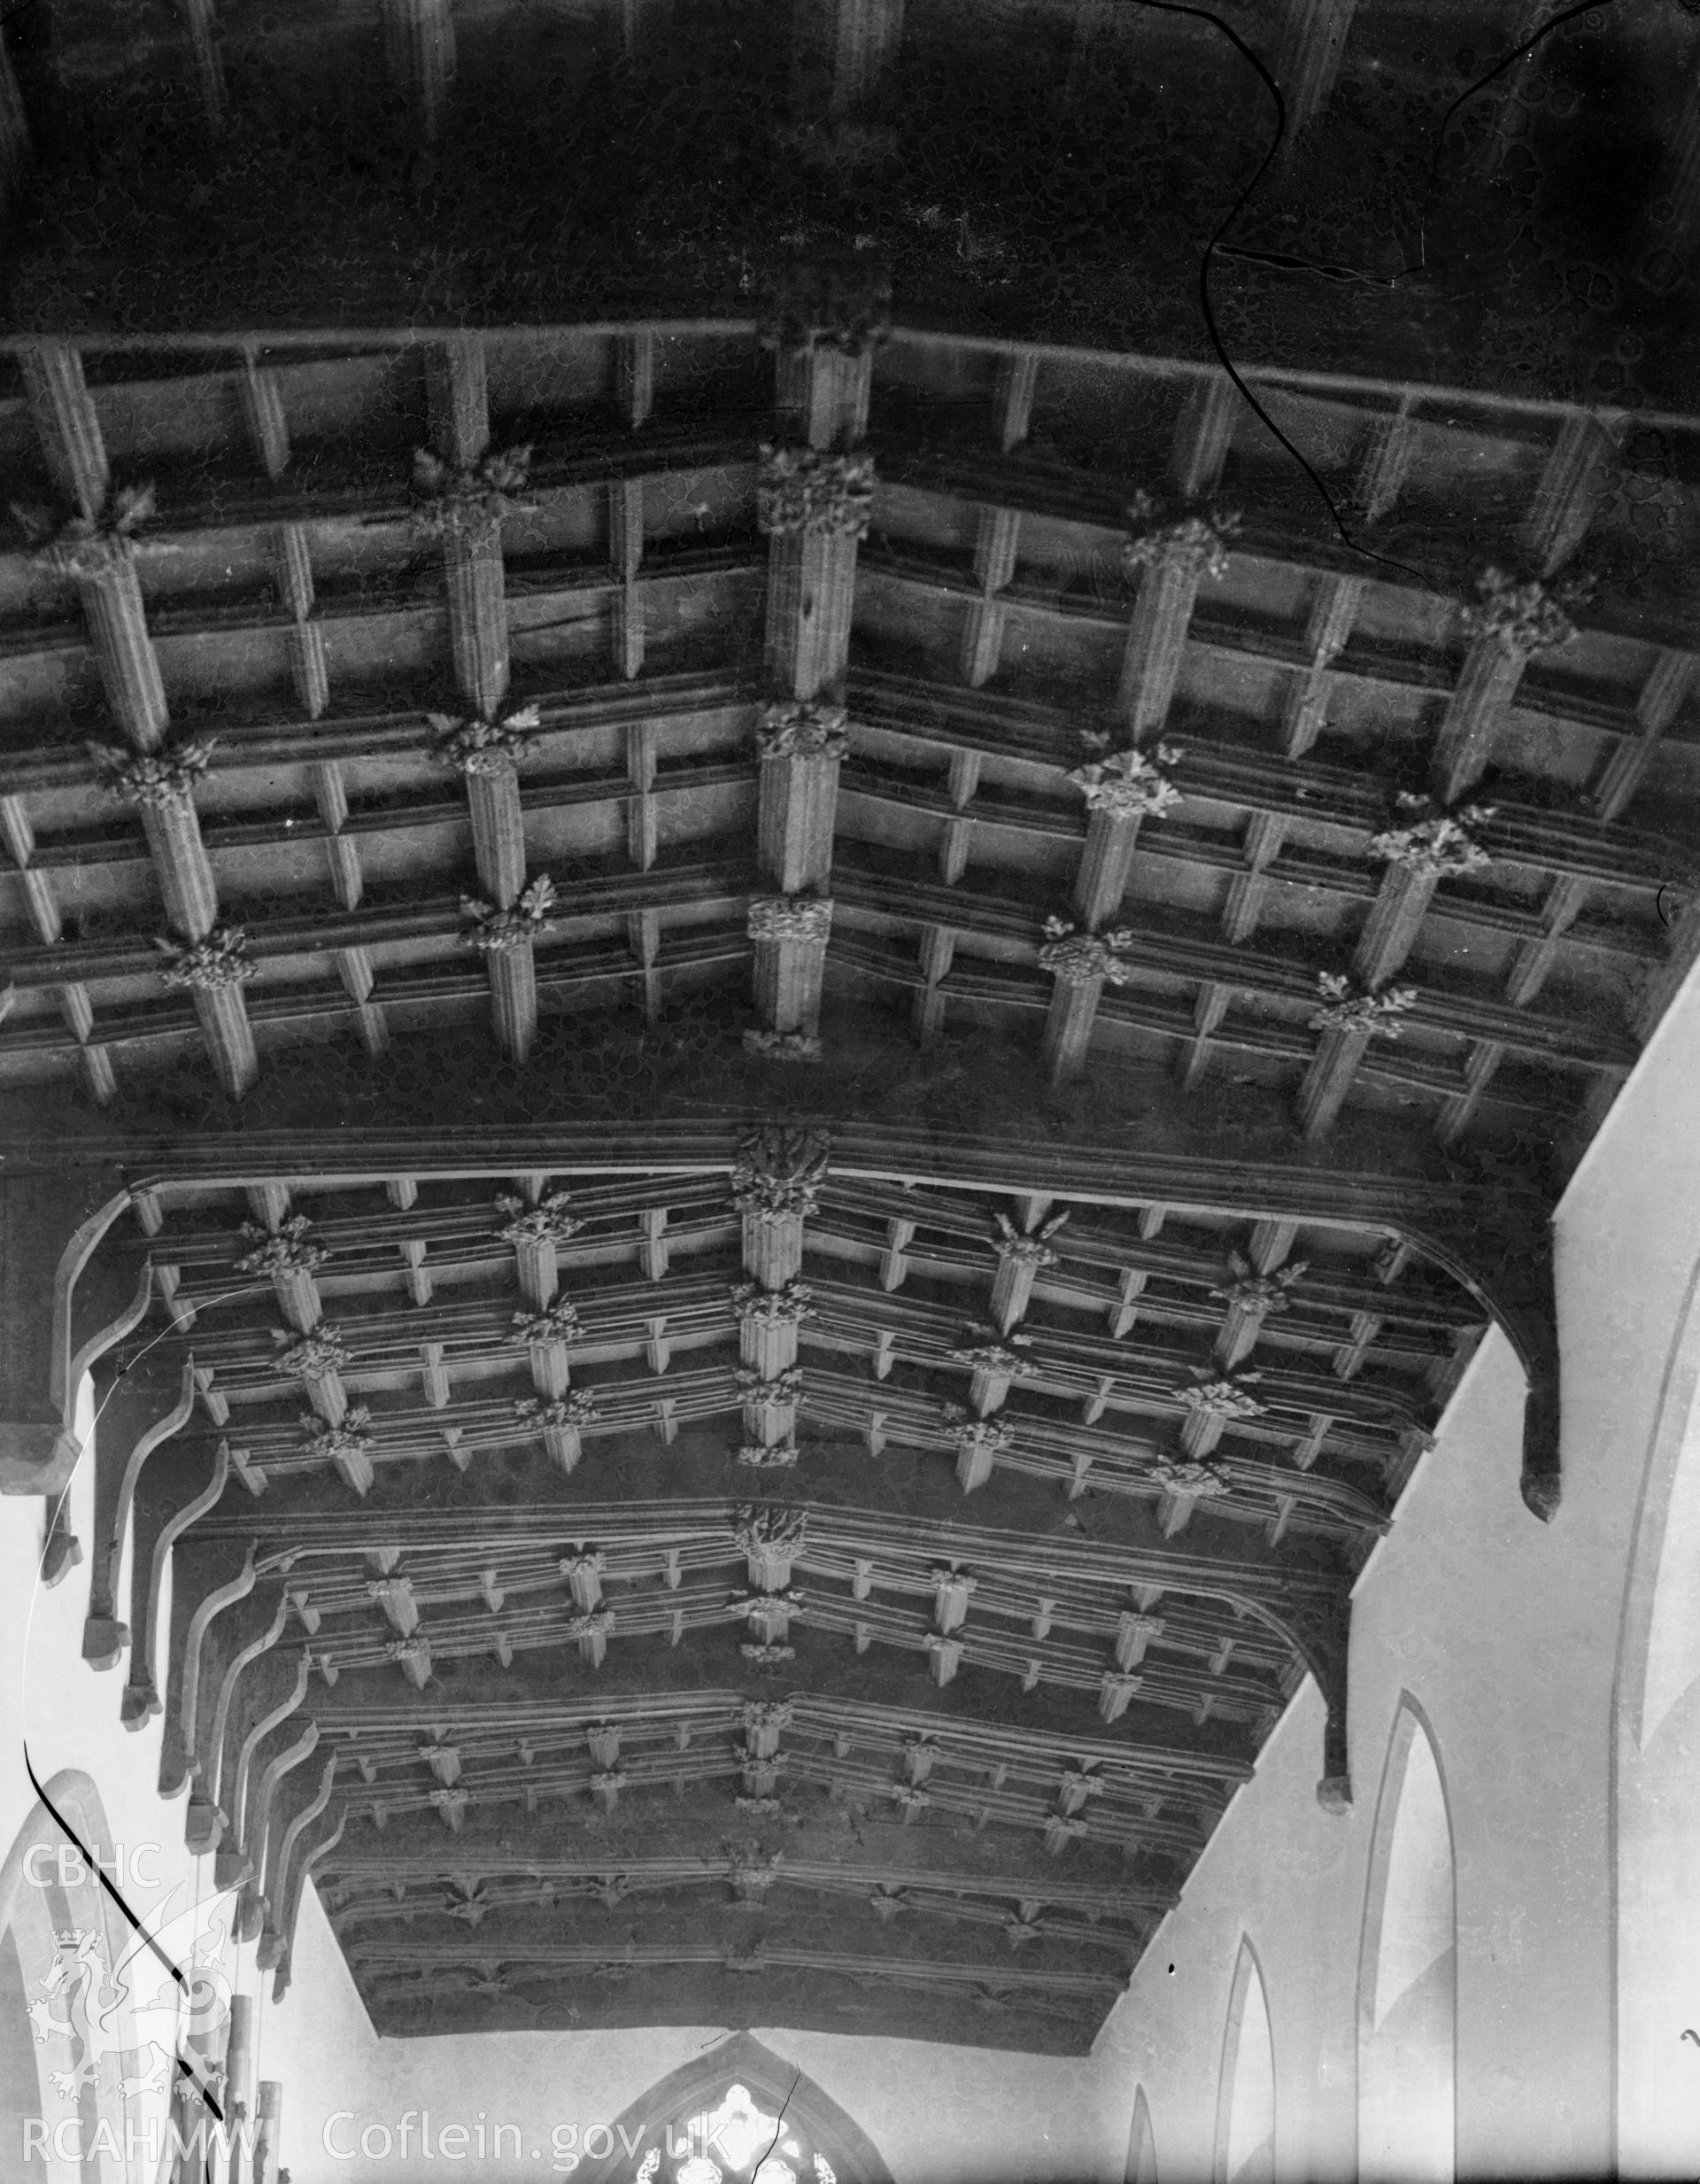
[1050,172]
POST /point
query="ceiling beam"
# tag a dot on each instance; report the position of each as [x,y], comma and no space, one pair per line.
[1166,953]
[1494,1244]
[95,549]
[945,717]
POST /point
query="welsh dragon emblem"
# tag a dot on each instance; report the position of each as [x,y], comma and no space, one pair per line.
[133,2019]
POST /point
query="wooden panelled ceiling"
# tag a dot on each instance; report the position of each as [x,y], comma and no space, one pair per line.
[789,1558]
[287,600]
[643,1626]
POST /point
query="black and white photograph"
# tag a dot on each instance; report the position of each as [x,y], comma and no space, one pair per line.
[849,1091]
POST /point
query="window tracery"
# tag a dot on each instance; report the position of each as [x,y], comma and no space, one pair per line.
[739,2141]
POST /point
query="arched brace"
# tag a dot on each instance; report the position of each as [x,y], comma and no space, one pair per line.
[1320,1629]
[1511,1275]
[291,1910]
[62,1550]
[104,1635]
[213,1768]
[57,1327]
[276,1937]
[254,1906]
[177,1760]
[142,1699]
[234,1867]
[108,1338]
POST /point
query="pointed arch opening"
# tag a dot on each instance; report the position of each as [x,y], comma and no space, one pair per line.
[1245,2110]
[1407,2013]
[740,2114]
[1141,2143]
[61,2072]
[1657,1785]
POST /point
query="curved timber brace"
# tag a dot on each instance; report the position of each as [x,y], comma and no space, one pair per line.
[233,1866]
[104,1635]
[142,1699]
[204,1768]
[294,1886]
[57,1323]
[274,1938]
[185,1651]
[254,1906]
[1509,1271]
[1320,1629]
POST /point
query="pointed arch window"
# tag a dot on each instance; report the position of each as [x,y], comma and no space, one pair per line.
[1672,1645]
[1142,2145]
[739,2115]
[1408,1972]
[1245,2114]
[1656,1786]
[59,1940]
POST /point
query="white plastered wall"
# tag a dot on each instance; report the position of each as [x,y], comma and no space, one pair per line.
[1506,1632]
[939,2115]
[69,1717]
